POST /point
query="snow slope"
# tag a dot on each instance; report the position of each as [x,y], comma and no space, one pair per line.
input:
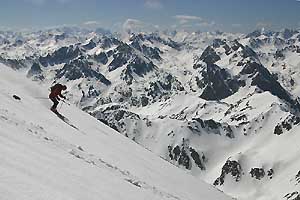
[44,158]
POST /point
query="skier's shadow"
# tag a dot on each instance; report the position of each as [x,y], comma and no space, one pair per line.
[66,120]
[61,116]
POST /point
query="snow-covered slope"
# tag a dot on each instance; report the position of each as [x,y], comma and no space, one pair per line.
[42,157]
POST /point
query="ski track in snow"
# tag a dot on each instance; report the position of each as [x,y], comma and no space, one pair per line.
[38,132]
[126,175]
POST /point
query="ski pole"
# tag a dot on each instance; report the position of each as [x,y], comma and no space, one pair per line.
[66,102]
[60,107]
[41,98]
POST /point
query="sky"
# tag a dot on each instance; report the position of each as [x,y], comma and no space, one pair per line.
[202,15]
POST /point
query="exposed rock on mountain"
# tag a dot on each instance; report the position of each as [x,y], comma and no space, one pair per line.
[232,168]
[90,45]
[13,63]
[198,125]
[101,58]
[136,66]
[62,55]
[216,83]
[80,69]
[150,52]
[287,124]
[257,173]
[186,156]
[209,56]
[35,72]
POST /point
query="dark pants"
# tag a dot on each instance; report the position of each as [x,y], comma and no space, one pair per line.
[55,102]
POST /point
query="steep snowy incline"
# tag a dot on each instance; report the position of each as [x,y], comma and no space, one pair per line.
[44,158]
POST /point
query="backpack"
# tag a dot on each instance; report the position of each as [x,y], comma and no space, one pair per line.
[54,87]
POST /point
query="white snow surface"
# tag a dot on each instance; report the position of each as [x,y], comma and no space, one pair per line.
[44,158]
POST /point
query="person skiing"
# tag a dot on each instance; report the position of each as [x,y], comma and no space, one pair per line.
[55,94]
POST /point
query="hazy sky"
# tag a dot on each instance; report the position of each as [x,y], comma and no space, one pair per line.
[224,15]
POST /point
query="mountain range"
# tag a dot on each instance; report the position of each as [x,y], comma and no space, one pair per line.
[222,107]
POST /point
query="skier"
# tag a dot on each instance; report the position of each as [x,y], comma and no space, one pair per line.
[55,94]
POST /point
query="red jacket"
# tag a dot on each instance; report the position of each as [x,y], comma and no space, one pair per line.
[56,91]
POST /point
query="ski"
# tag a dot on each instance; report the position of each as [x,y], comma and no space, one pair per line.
[64,119]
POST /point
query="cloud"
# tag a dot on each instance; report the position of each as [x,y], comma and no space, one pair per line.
[88,23]
[206,24]
[92,24]
[153,4]
[130,24]
[263,25]
[135,25]
[192,22]
[184,19]
[187,17]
